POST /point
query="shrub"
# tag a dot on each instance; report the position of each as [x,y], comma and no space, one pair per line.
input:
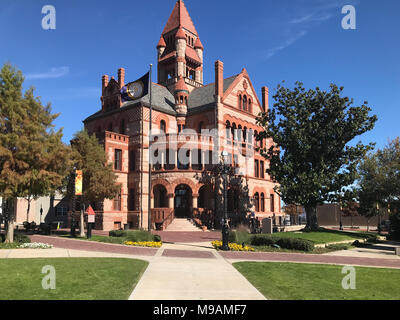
[338,247]
[296,244]
[21,238]
[286,243]
[117,233]
[262,240]
[156,238]
[232,236]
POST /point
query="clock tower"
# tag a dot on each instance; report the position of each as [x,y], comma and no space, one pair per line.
[180,51]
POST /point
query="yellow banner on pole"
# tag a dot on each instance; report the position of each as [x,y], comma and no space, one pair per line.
[78,182]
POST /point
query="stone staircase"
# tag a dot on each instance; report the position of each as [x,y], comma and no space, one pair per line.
[182,225]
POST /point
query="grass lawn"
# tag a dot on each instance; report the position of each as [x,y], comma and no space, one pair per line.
[76,278]
[292,281]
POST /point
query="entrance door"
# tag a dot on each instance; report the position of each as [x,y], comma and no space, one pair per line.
[183,202]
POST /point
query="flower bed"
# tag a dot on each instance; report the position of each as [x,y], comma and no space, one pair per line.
[232,246]
[144,244]
[35,245]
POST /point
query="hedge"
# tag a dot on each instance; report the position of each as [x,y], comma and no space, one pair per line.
[135,236]
[286,243]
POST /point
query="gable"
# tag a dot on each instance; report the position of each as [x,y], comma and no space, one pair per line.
[242,86]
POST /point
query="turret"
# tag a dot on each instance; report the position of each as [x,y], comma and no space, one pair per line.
[181,97]
[180,43]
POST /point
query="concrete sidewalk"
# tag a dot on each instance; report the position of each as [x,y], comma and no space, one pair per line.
[192,272]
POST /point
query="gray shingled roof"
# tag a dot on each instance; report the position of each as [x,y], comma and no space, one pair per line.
[164,101]
[204,96]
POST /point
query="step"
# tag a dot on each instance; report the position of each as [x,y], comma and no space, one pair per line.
[182,225]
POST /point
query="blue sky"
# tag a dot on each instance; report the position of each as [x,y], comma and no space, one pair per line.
[274,40]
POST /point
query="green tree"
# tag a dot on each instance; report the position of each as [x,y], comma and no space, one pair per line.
[99,180]
[310,157]
[379,184]
[33,159]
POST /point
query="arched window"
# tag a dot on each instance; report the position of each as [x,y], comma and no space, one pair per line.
[262,202]
[250,109]
[228,130]
[234,132]
[257,202]
[239,133]
[245,134]
[240,101]
[251,136]
[245,103]
[163,126]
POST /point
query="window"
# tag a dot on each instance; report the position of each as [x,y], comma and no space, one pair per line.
[262,202]
[250,106]
[257,202]
[262,175]
[132,160]
[240,101]
[228,130]
[117,202]
[61,211]
[272,203]
[244,103]
[122,128]
[163,126]
[118,160]
[131,201]
[256,168]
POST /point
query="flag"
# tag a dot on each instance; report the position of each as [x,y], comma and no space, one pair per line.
[78,183]
[136,90]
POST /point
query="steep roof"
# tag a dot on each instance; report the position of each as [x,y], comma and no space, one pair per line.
[203,97]
[179,18]
[163,101]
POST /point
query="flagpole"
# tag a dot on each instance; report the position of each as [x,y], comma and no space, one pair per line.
[150,128]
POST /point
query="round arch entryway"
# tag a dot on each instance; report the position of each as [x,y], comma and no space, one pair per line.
[183,201]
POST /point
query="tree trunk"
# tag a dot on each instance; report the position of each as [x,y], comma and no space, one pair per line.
[312,220]
[28,209]
[82,225]
[10,207]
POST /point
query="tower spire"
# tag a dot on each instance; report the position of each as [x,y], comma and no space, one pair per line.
[180,52]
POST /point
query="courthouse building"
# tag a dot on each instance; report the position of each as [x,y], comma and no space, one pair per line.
[199,121]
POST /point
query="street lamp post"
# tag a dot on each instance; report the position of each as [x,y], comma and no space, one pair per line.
[225,226]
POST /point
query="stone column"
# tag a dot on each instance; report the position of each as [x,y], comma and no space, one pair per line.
[171,201]
[195,201]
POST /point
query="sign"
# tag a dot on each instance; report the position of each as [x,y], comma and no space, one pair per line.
[91,215]
[78,182]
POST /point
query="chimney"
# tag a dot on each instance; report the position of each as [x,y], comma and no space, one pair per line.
[121,77]
[104,83]
[219,78]
[265,94]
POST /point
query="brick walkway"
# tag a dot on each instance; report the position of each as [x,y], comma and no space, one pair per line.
[310,258]
[93,246]
[231,256]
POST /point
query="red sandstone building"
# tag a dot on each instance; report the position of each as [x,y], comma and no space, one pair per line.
[199,122]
